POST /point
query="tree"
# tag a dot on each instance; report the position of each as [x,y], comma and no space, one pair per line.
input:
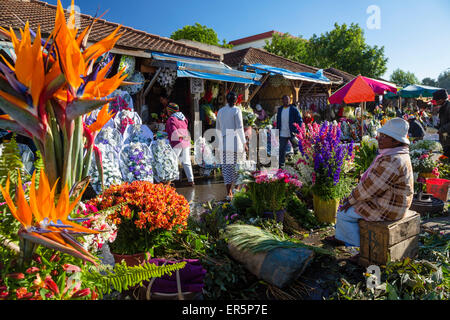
[443,80]
[199,33]
[342,48]
[287,46]
[403,78]
[429,82]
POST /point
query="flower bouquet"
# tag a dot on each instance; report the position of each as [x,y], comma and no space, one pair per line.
[138,133]
[110,165]
[365,154]
[125,118]
[96,220]
[423,162]
[210,115]
[165,161]
[123,101]
[248,117]
[152,212]
[268,190]
[204,157]
[323,151]
[136,163]
[167,78]
[110,136]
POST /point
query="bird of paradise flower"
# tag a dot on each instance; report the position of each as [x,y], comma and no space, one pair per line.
[48,89]
[45,223]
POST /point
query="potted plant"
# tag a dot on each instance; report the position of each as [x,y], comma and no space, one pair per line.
[269,191]
[151,214]
[323,151]
[422,160]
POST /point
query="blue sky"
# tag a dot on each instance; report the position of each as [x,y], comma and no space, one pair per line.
[415,33]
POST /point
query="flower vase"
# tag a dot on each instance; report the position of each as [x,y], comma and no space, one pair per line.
[325,210]
[131,259]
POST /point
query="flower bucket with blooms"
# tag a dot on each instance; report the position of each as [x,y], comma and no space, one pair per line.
[152,213]
[268,190]
[330,159]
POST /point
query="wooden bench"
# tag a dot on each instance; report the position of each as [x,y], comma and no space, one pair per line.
[389,241]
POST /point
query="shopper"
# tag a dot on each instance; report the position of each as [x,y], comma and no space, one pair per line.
[443,105]
[230,130]
[179,137]
[287,116]
[416,129]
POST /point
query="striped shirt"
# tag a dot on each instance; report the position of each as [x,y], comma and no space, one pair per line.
[387,192]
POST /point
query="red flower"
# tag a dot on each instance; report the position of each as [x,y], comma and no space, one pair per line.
[51,285]
[4,295]
[22,293]
[32,270]
[82,293]
[71,268]
[18,276]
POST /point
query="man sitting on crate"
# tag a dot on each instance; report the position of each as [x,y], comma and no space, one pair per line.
[386,189]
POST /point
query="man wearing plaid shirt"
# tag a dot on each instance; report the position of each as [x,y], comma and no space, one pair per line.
[386,189]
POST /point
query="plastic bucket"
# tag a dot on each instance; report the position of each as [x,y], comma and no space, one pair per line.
[325,211]
[438,188]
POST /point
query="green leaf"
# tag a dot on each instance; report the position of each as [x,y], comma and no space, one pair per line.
[80,107]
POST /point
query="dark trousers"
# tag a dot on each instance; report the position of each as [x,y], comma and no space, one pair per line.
[282,149]
[447,151]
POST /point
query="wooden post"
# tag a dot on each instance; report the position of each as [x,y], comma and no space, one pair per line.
[196,127]
[295,91]
[362,118]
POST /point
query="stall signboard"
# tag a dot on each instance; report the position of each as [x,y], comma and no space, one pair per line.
[197,86]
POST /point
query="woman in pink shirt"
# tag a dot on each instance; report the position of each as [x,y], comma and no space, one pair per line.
[180,139]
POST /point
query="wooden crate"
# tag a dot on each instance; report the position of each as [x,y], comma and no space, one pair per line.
[383,240]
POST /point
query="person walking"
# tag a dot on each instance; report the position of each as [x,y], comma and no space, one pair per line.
[287,116]
[179,138]
[230,130]
[443,105]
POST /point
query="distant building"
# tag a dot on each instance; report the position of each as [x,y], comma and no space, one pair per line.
[257,41]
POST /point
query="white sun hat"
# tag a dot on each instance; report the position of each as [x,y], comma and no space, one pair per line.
[396,128]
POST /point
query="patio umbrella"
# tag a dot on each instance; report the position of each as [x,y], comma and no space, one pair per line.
[361,89]
[417,91]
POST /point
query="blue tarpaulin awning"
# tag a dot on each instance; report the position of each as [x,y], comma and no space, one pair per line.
[288,74]
[206,69]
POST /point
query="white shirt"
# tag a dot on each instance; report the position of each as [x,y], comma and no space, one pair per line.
[285,132]
[229,122]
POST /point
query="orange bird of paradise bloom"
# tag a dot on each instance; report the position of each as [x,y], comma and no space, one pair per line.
[44,222]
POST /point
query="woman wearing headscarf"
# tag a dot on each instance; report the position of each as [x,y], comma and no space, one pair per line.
[179,137]
[230,127]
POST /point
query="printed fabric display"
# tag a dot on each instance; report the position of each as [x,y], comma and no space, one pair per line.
[204,156]
[165,161]
[125,118]
[110,164]
[136,162]
[138,133]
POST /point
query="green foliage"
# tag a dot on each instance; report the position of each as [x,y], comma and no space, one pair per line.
[256,240]
[427,278]
[443,80]
[242,201]
[429,82]
[268,197]
[364,157]
[343,48]
[216,217]
[10,162]
[403,78]
[122,277]
[300,212]
[288,46]
[199,33]
[326,190]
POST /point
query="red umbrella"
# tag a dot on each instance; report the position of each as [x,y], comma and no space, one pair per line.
[361,89]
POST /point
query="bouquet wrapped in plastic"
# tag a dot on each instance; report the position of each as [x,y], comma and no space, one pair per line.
[204,157]
[136,163]
[110,136]
[110,165]
[138,133]
[165,161]
[125,118]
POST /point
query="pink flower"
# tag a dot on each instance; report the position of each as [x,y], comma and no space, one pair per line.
[71,268]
